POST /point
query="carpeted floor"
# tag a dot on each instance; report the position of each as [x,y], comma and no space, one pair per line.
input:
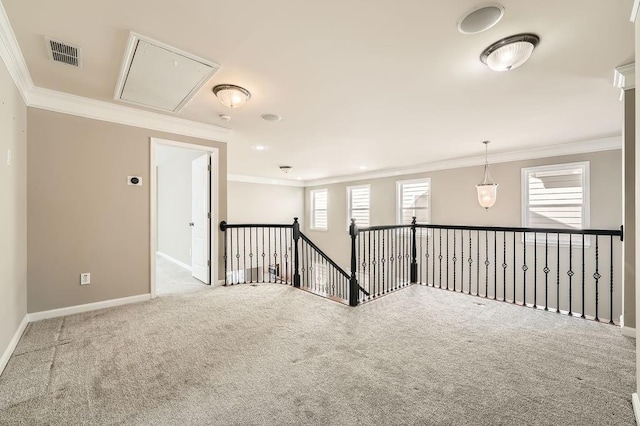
[171,278]
[273,355]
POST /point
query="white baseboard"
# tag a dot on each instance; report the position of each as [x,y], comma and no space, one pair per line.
[173,260]
[13,343]
[629,332]
[54,313]
[636,407]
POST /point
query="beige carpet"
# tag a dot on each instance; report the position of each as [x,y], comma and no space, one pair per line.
[271,355]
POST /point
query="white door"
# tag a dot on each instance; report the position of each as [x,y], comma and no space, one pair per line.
[200,188]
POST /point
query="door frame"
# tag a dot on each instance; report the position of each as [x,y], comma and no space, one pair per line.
[153,207]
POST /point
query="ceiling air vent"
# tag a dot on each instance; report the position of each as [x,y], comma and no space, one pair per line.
[60,51]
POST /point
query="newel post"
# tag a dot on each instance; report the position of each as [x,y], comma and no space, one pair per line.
[414,264]
[296,258]
[354,290]
[223,228]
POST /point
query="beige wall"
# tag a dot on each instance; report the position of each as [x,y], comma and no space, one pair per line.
[261,203]
[13,209]
[454,200]
[82,215]
[629,176]
[174,202]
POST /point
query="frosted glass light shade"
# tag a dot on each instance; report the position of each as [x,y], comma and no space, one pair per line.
[509,53]
[230,95]
[487,194]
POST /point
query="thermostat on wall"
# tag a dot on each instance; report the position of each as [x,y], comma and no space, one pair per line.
[134,180]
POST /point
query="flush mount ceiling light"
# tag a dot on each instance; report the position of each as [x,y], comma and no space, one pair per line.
[509,53]
[488,189]
[480,18]
[231,95]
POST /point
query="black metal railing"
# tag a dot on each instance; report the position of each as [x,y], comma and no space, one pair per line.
[278,253]
[576,272]
[562,270]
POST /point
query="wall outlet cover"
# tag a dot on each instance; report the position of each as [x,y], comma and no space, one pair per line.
[85,278]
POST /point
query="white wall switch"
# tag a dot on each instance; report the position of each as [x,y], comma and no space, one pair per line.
[85,278]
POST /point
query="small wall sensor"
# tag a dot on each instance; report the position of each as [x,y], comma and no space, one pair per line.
[134,180]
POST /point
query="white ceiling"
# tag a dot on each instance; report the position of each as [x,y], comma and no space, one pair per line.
[376,83]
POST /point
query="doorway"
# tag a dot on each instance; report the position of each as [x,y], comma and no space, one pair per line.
[183,209]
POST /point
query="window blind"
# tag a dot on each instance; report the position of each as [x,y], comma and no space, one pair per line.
[414,201]
[319,209]
[556,198]
[359,205]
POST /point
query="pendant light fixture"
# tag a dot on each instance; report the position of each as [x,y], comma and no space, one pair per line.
[230,95]
[509,53]
[488,189]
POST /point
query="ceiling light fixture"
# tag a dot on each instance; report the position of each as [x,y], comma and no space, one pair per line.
[488,189]
[230,95]
[510,52]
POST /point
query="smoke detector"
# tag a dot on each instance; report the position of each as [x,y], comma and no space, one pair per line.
[60,51]
[286,169]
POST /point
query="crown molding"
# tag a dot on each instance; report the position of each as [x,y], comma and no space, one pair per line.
[265,181]
[595,145]
[37,97]
[624,76]
[106,111]
[12,57]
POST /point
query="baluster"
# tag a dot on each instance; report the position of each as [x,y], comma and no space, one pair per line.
[611,281]
[535,269]
[583,248]
[368,234]
[570,272]
[470,264]
[504,266]
[478,263]
[597,277]
[440,258]
[515,268]
[454,260]
[558,276]
[524,269]
[486,264]
[447,258]
[238,253]
[495,265]
[462,261]
[546,271]
[426,260]
[244,253]
[383,261]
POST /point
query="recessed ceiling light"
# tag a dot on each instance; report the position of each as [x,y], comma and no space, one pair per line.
[480,18]
[363,167]
[299,178]
[260,147]
[271,117]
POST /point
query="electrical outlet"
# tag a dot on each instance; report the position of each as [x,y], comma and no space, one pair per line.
[85,278]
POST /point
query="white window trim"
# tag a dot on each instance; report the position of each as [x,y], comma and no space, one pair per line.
[586,204]
[349,188]
[312,222]
[399,184]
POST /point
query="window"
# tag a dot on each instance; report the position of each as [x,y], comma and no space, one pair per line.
[358,205]
[414,199]
[556,197]
[319,209]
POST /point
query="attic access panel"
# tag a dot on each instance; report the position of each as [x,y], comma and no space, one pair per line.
[160,76]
